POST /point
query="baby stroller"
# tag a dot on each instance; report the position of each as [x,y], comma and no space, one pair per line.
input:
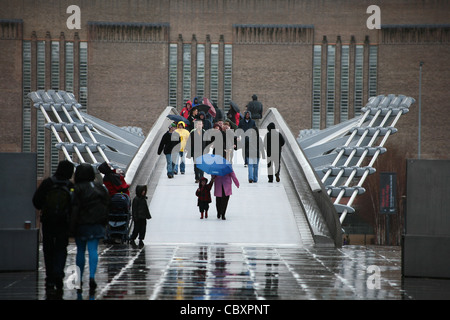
[119,221]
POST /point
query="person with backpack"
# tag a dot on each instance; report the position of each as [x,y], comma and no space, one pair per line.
[53,198]
[89,218]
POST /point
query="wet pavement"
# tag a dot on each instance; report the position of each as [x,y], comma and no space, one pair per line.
[236,272]
[264,251]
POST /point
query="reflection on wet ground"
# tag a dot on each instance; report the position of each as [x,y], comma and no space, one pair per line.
[237,272]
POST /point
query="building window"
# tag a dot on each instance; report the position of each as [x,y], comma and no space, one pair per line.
[54,82]
[214,81]
[26,89]
[331,57]
[54,77]
[345,82]
[186,72]
[373,62]
[317,59]
[359,74]
[69,67]
[200,70]
[40,130]
[83,97]
[227,76]
[173,60]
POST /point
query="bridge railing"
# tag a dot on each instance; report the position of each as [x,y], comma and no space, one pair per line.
[338,153]
[319,210]
[82,137]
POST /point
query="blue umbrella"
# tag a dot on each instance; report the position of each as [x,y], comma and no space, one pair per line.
[213,164]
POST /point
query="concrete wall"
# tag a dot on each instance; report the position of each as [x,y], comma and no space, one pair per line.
[427,240]
[19,246]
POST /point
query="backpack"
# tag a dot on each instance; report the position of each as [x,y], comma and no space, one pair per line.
[95,204]
[58,202]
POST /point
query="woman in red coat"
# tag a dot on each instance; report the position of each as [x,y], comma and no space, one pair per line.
[223,191]
[112,180]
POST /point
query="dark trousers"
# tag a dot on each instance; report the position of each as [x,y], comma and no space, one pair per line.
[198,172]
[139,229]
[273,166]
[221,205]
[54,246]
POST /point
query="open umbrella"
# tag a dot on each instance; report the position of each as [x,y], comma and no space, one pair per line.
[213,164]
[207,107]
[234,106]
[177,118]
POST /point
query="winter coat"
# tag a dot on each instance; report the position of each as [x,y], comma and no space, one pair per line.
[184,136]
[91,205]
[256,108]
[166,144]
[204,192]
[185,111]
[139,206]
[206,122]
[193,150]
[113,181]
[245,124]
[63,172]
[271,133]
[225,183]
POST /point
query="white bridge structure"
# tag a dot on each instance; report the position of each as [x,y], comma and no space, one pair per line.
[317,167]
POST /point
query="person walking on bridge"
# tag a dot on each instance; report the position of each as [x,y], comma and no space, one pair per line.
[167,144]
[54,198]
[256,109]
[223,191]
[184,136]
[273,142]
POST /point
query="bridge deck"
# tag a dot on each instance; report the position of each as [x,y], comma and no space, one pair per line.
[257,212]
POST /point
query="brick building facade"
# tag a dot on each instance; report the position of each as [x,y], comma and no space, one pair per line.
[316,61]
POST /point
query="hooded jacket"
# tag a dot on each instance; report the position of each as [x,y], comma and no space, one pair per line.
[63,172]
[246,124]
[91,200]
[273,134]
[139,206]
[186,109]
[255,107]
[204,192]
[184,136]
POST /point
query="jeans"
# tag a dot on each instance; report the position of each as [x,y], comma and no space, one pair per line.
[170,164]
[92,246]
[181,155]
[253,165]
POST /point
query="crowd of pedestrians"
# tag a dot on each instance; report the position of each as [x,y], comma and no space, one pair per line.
[80,208]
[209,130]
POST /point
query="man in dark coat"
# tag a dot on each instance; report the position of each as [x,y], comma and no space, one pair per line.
[55,230]
[273,142]
[256,108]
[167,144]
[195,146]
[245,124]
